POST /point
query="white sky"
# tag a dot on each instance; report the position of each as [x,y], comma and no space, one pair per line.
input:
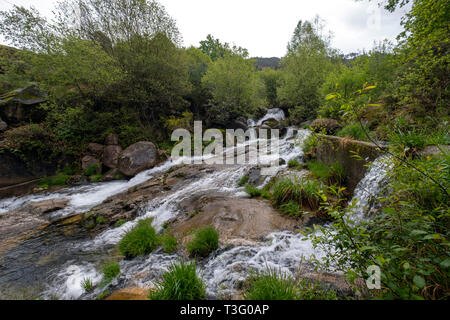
[264,27]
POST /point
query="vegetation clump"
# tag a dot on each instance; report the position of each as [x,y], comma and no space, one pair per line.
[204,242]
[140,240]
[180,282]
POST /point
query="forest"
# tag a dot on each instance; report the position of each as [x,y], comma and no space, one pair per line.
[118,67]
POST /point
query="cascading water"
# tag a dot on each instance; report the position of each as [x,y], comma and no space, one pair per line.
[222,272]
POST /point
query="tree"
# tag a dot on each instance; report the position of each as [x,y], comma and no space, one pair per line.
[303,71]
[234,87]
[215,49]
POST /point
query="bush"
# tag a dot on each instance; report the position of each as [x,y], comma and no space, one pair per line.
[169,243]
[291,209]
[271,286]
[354,131]
[91,170]
[294,163]
[333,174]
[141,240]
[204,242]
[110,271]
[59,180]
[180,282]
[252,190]
[243,181]
[287,190]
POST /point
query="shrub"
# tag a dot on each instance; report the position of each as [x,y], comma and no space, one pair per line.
[180,282]
[310,143]
[169,243]
[96,178]
[294,163]
[291,209]
[91,170]
[271,285]
[141,240]
[311,194]
[333,174]
[100,220]
[110,271]
[252,190]
[354,131]
[59,180]
[243,181]
[204,242]
[286,190]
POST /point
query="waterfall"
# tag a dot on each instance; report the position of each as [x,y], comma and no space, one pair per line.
[224,270]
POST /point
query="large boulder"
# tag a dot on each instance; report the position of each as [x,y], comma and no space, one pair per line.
[19,105]
[138,157]
[330,126]
[96,149]
[111,156]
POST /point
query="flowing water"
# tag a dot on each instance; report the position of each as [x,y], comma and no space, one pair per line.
[76,259]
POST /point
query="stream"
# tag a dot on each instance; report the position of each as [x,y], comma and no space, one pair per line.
[53,268]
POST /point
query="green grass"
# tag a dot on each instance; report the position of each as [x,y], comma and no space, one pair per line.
[354,131]
[110,271]
[100,220]
[140,240]
[331,175]
[87,284]
[243,181]
[271,285]
[252,191]
[91,170]
[286,190]
[294,164]
[95,178]
[311,194]
[59,180]
[103,295]
[169,243]
[180,282]
[291,209]
[119,223]
[204,242]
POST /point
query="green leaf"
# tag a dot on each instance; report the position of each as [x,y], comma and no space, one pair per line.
[445,263]
[419,281]
[330,96]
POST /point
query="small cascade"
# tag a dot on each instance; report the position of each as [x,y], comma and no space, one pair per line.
[223,272]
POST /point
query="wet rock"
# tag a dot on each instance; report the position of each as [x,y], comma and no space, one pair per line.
[236,124]
[89,161]
[254,176]
[77,180]
[330,126]
[112,139]
[3,125]
[138,157]
[47,206]
[433,150]
[110,175]
[19,105]
[234,218]
[111,156]
[95,149]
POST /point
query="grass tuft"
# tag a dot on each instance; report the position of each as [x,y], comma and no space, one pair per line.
[180,282]
[140,240]
[204,242]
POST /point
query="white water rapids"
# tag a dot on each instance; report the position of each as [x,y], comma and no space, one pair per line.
[224,270]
